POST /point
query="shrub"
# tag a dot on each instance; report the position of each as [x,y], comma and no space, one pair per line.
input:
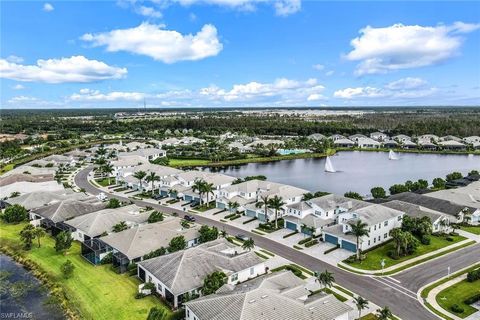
[311,243]
[140,295]
[456,308]
[453,234]
[425,240]
[290,234]
[67,269]
[473,275]
[449,239]
[304,240]
[15,214]
[107,259]
[473,299]
[149,286]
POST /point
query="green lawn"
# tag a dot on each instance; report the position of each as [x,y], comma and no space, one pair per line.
[457,294]
[104,182]
[187,162]
[373,257]
[472,229]
[96,291]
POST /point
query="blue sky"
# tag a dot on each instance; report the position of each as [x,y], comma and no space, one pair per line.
[215,53]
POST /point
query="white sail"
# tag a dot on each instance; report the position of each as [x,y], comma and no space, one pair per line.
[392,155]
[329,166]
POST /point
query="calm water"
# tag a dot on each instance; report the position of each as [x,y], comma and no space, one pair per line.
[21,294]
[357,171]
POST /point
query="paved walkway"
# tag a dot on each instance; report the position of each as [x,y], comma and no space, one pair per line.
[431,298]
[469,235]
[407,262]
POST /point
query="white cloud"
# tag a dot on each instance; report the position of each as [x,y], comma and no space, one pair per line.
[47,7]
[18,87]
[381,50]
[405,88]
[148,12]
[96,95]
[73,69]
[287,7]
[329,73]
[318,67]
[22,99]
[154,41]
[14,59]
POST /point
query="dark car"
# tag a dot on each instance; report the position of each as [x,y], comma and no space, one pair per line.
[241,237]
[189,218]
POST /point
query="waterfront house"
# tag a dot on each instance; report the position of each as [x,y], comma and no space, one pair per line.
[389,144]
[379,136]
[379,219]
[279,296]
[471,139]
[132,244]
[450,138]
[357,136]
[427,145]
[97,223]
[440,221]
[335,137]
[409,145]
[265,143]
[454,210]
[428,138]
[343,143]
[317,137]
[401,138]
[187,179]
[239,146]
[148,154]
[367,143]
[181,273]
[452,145]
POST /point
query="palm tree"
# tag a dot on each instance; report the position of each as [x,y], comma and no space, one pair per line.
[248,244]
[208,188]
[108,169]
[198,186]
[264,200]
[39,233]
[325,278]
[223,233]
[276,203]
[361,304]
[384,313]
[232,205]
[172,191]
[152,177]
[122,225]
[359,229]
[140,175]
[101,151]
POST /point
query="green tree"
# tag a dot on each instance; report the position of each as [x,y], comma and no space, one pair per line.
[157,313]
[378,192]
[473,173]
[438,183]
[361,304]
[276,203]
[155,216]
[108,169]
[213,282]
[208,189]
[232,206]
[177,243]
[264,201]
[207,233]
[353,195]
[27,235]
[359,229]
[325,279]
[63,241]
[248,244]
[14,194]
[122,225]
[454,176]
[67,269]
[398,188]
[140,175]
[15,214]
[39,234]
[384,314]
[152,177]
[199,187]
[113,203]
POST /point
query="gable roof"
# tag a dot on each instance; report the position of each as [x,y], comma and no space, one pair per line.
[280,296]
[414,210]
[142,239]
[440,205]
[39,198]
[67,209]
[185,270]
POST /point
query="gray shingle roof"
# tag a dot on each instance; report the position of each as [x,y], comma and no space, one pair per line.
[185,270]
[279,296]
[414,210]
[331,201]
[67,209]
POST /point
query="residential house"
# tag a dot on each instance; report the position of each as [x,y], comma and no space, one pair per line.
[180,273]
[452,145]
[450,138]
[58,160]
[454,210]
[317,137]
[335,137]
[367,143]
[440,221]
[126,176]
[265,143]
[38,199]
[27,186]
[187,179]
[343,143]
[24,177]
[379,136]
[132,244]
[471,140]
[279,296]
[389,144]
[427,145]
[380,221]
[238,145]
[428,138]
[357,136]
[409,145]
[148,154]
[401,138]
[97,223]
[126,162]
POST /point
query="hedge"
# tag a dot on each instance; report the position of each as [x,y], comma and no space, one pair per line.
[304,240]
[290,234]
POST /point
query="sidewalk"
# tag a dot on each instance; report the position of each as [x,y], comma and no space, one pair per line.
[431,298]
[407,262]
[469,235]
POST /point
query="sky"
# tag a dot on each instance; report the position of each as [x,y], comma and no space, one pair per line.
[238,53]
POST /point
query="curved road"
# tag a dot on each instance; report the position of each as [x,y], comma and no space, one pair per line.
[398,292]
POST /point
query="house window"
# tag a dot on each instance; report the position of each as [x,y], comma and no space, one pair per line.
[368,242]
[385,223]
[375,227]
[252,271]
[234,277]
[159,287]
[374,240]
[399,218]
[378,238]
[188,313]
[385,236]
[149,279]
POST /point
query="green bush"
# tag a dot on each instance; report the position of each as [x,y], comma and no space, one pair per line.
[472,299]
[311,243]
[425,240]
[15,214]
[456,308]
[290,234]
[304,240]
[140,295]
[473,275]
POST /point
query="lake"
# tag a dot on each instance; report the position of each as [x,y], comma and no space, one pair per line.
[357,170]
[21,294]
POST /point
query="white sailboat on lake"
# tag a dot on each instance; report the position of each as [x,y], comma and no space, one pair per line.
[329,166]
[392,155]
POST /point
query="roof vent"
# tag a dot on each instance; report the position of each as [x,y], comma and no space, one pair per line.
[264,296]
[252,301]
[325,302]
[311,308]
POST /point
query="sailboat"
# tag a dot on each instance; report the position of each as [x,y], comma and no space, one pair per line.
[329,166]
[392,155]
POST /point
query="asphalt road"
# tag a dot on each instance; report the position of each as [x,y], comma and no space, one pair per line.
[397,292]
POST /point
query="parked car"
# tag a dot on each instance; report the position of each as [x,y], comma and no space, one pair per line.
[242,237]
[157,196]
[189,218]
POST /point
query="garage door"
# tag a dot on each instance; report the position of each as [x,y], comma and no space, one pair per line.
[349,246]
[331,239]
[291,225]
[188,198]
[220,205]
